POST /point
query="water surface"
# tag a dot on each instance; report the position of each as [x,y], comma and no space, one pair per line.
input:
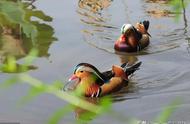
[87,34]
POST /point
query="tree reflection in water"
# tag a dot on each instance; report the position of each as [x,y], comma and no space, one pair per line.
[13,40]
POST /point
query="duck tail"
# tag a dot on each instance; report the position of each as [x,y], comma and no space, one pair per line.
[146,24]
[130,69]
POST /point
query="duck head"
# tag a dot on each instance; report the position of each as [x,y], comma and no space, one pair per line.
[126,28]
[84,71]
[131,34]
[89,79]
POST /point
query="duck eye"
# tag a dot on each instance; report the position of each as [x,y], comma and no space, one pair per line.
[81,71]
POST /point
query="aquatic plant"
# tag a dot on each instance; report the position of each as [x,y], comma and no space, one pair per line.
[178,6]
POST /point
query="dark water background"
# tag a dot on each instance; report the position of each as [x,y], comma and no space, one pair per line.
[86,35]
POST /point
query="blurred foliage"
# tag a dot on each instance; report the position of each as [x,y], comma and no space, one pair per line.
[175,10]
[178,6]
[59,114]
[11,66]
[168,111]
[37,88]
[86,109]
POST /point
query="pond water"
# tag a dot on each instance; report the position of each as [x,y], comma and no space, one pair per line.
[87,34]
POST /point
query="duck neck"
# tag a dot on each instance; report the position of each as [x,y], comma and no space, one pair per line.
[89,87]
[132,41]
[88,81]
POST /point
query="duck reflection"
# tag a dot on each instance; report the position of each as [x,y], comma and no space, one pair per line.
[131,88]
[129,58]
[85,115]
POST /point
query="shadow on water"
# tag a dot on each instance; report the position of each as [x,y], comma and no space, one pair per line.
[101,31]
[14,43]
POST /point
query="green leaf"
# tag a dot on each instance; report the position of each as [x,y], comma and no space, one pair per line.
[10,65]
[168,111]
[59,114]
[9,82]
[30,57]
[74,100]
[32,93]
[106,103]
[58,84]
[178,6]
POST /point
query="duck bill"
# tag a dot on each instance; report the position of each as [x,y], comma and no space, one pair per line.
[73,77]
[72,83]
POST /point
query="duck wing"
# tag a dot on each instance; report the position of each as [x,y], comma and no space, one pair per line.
[108,75]
[127,69]
[131,69]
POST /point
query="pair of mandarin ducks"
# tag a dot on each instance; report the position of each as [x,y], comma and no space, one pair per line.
[90,82]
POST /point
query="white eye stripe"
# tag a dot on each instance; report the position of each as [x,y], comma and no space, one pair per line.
[83,68]
[88,69]
[126,27]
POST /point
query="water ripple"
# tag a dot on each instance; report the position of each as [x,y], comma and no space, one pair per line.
[101,31]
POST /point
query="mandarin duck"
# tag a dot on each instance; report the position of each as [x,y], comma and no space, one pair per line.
[92,83]
[133,39]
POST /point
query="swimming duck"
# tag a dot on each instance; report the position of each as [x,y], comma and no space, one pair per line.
[92,83]
[133,39]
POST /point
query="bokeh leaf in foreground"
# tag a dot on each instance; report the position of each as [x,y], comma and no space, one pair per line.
[168,111]
[59,114]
